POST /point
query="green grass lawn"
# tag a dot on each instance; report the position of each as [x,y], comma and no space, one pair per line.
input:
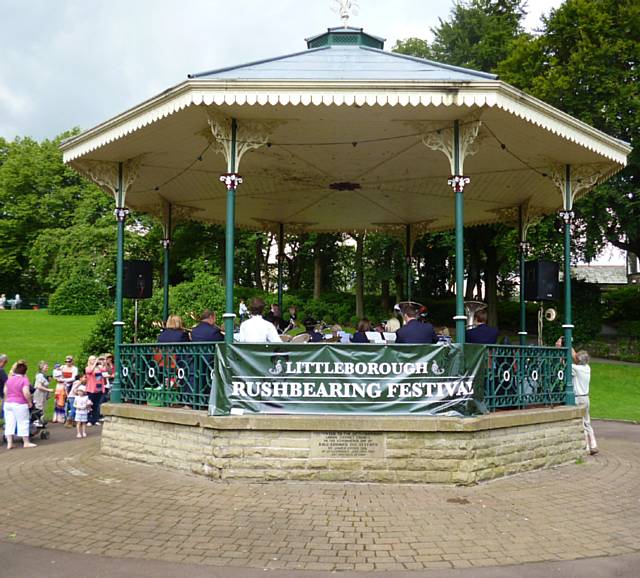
[37,336]
[615,391]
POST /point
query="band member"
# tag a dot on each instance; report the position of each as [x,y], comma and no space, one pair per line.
[414,331]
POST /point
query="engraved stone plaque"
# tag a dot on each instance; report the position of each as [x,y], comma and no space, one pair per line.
[347,444]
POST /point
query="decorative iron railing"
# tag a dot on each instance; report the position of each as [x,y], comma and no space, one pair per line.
[167,374]
[181,374]
[523,376]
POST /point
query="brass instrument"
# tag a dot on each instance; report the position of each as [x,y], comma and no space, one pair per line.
[471,308]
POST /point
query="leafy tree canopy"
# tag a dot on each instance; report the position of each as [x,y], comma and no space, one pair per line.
[479,34]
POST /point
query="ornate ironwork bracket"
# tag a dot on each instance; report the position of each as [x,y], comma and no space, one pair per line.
[105,174]
[441,138]
[250,135]
[231,180]
[121,213]
[458,182]
[583,178]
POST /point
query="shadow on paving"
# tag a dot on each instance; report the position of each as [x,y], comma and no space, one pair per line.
[19,561]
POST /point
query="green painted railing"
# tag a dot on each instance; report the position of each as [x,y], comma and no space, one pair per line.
[167,374]
[523,376]
[181,374]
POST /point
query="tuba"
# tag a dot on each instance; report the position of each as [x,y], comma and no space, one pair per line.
[470,309]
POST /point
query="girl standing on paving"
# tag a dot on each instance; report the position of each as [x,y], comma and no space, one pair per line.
[82,405]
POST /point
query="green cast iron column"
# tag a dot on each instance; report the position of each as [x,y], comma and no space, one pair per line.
[408,261]
[522,334]
[568,321]
[121,214]
[231,182]
[458,184]
[280,263]
[166,244]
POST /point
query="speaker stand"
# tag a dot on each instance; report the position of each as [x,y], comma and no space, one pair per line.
[540,322]
[135,321]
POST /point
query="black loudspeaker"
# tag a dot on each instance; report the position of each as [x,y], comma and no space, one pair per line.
[541,281]
[138,279]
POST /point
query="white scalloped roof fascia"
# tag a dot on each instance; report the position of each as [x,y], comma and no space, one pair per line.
[381,93]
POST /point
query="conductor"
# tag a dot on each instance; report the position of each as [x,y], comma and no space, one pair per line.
[414,331]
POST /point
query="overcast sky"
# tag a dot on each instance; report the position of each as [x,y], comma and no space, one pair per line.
[67,63]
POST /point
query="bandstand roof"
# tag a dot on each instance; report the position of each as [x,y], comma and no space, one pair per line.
[347,124]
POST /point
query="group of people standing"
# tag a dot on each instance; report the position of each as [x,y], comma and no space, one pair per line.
[78,396]
[11,303]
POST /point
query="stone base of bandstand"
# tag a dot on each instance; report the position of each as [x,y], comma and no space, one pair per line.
[395,449]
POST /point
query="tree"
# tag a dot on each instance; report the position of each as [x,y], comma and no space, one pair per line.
[37,192]
[585,62]
[478,35]
[414,47]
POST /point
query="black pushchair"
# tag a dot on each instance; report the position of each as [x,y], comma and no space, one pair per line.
[38,424]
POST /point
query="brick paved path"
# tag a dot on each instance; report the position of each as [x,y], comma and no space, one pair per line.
[64,495]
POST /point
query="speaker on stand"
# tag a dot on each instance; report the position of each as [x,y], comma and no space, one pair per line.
[138,284]
[541,283]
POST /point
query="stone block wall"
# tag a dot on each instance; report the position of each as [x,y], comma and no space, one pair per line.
[357,449]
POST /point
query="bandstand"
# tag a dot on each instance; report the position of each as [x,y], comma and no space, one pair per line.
[344,136]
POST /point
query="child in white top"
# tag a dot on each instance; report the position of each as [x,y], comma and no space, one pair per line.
[82,404]
[242,310]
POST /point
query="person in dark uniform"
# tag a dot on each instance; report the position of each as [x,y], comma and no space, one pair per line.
[414,331]
[310,326]
[360,336]
[482,333]
[173,331]
[207,330]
